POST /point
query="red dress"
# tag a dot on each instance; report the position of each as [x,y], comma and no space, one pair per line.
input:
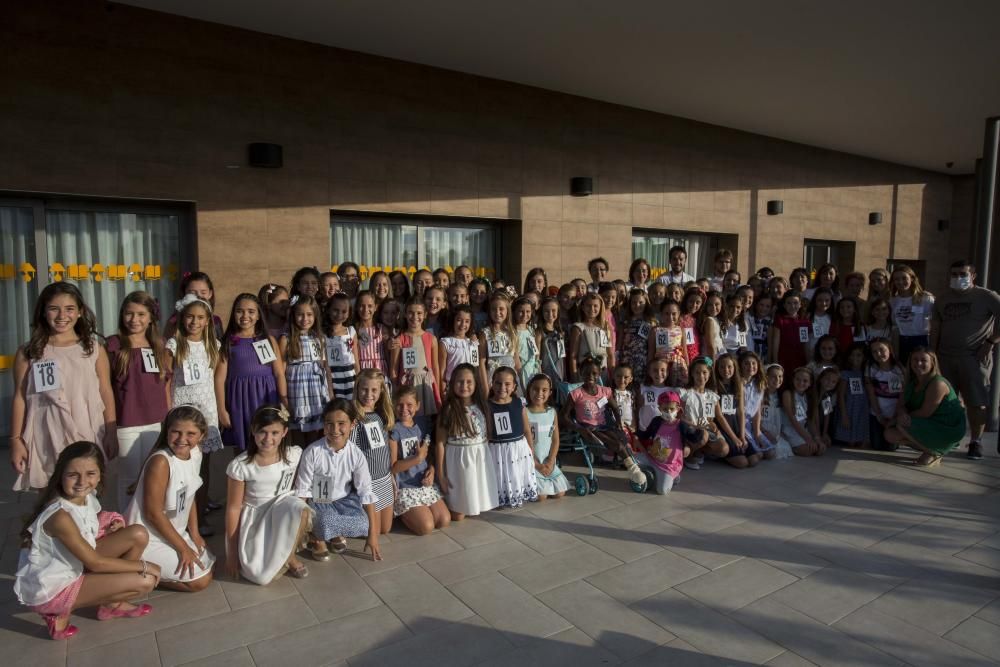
[791,347]
[691,336]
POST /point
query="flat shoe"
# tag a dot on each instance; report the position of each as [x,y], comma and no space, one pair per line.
[927,461]
[107,613]
[339,545]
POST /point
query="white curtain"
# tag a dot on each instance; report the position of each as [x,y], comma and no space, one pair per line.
[450,246]
[17,249]
[124,250]
[372,244]
[656,249]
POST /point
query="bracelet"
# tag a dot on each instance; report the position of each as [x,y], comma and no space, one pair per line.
[144,567]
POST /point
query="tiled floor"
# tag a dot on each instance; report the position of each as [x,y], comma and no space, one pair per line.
[854,559]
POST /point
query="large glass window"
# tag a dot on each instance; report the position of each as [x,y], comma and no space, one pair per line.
[105,250]
[654,247]
[817,252]
[413,243]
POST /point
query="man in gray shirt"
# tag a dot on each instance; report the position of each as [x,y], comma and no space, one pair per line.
[963,332]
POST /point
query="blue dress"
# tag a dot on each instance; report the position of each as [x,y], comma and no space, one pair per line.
[857,408]
[543,428]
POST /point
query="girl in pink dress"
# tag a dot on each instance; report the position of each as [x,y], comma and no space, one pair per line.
[63,387]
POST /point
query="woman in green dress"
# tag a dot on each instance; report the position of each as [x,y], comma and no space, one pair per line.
[930,417]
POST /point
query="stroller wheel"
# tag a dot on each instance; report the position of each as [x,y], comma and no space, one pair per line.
[593,485]
[650,477]
[581,485]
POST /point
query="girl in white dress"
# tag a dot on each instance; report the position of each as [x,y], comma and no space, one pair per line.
[459,345]
[77,556]
[194,353]
[164,502]
[544,426]
[465,471]
[265,520]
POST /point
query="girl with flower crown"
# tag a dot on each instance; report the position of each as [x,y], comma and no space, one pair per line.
[265,520]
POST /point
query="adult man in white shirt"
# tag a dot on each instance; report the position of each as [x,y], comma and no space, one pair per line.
[678,262]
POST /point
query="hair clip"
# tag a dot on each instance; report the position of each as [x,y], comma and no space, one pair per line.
[294,300]
[282,411]
[188,299]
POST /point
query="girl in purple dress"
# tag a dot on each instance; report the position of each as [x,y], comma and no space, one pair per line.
[250,372]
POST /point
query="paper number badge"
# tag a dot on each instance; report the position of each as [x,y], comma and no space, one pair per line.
[46,374]
[149,360]
[409,358]
[501,420]
[265,353]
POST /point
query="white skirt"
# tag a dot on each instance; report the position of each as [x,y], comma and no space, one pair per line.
[472,477]
[515,466]
[134,445]
[267,536]
[160,552]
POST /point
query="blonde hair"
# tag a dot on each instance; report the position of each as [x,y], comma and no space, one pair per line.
[383,406]
[918,291]
[208,337]
[602,319]
[507,325]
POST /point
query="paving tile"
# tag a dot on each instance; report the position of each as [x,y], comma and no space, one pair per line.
[474,532]
[752,542]
[700,549]
[470,563]
[237,657]
[679,652]
[647,576]
[333,589]
[707,520]
[139,651]
[817,642]
[831,593]
[979,636]
[625,545]
[785,522]
[850,557]
[907,642]
[330,641]
[466,642]
[184,643]
[572,507]
[789,659]
[710,631]
[538,534]
[418,599]
[23,634]
[169,610]
[616,627]
[643,512]
[934,605]
[560,568]
[733,586]
[569,647]
[406,552]
[509,608]
[990,613]
[243,593]
[981,555]
[864,529]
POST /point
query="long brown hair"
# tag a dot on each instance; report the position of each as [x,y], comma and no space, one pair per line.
[208,338]
[294,350]
[85,327]
[233,328]
[454,419]
[78,450]
[120,363]
[266,415]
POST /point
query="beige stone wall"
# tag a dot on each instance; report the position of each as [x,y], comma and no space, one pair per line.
[114,101]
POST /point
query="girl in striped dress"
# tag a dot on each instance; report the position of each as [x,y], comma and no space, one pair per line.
[341,344]
[371,335]
[371,435]
[306,372]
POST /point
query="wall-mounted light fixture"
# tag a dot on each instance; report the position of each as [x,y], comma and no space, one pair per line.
[265,155]
[775,207]
[874,218]
[581,186]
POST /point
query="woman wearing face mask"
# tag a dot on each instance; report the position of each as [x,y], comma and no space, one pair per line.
[964,330]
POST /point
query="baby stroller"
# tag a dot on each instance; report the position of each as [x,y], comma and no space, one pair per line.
[586,444]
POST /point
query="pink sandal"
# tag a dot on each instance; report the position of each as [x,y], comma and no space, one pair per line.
[65,633]
[107,613]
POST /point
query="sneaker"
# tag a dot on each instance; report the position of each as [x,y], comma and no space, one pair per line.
[975,450]
[693,464]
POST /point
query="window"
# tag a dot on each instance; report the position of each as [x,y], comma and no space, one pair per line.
[654,247]
[413,242]
[107,250]
[817,252]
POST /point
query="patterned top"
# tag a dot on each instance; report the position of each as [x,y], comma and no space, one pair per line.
[370,437]
[371,349]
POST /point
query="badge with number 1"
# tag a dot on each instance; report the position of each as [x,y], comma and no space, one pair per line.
[149,360]
[46,374]
[265,353]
